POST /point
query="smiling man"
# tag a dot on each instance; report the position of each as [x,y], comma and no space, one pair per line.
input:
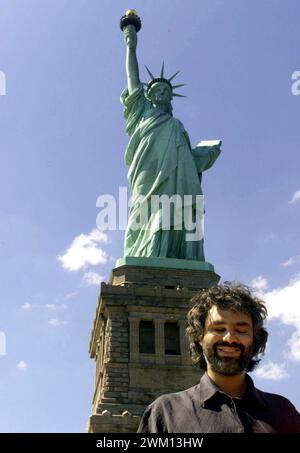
[227,336]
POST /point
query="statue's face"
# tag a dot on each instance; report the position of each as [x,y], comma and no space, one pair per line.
[160,94]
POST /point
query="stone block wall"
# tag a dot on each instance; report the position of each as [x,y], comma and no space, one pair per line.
[126,379]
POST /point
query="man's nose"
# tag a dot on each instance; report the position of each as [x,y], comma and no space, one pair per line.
[230,337]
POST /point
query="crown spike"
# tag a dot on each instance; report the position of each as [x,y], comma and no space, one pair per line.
[178,86]
[179,95]
[162,70]
[149,72]
[174,75]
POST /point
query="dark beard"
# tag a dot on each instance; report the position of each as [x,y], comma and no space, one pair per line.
[228,366]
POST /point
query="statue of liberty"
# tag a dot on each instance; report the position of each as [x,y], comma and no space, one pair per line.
[162,165]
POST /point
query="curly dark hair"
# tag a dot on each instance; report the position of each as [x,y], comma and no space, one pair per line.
[227,296]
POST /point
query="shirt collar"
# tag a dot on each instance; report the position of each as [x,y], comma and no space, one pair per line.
[209,389]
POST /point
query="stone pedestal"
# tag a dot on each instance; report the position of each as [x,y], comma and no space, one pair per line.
[131,371]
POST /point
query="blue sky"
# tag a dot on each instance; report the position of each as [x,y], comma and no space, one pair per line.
[62,145]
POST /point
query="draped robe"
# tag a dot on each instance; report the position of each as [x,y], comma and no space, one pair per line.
[162,162]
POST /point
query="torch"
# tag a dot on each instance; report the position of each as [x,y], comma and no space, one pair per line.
[131,18]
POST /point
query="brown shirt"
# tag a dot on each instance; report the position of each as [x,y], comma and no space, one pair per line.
[204,408]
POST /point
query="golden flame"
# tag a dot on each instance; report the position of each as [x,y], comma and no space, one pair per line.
[131,12]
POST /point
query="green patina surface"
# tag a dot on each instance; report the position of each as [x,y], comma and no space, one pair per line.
[161,161]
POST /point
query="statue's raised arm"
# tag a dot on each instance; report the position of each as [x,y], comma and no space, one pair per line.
[130,24]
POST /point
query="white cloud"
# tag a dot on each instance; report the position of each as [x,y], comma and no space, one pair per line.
[56,322]
[56,307]
[295,197]
[284,305]
[294,344]
[84,250]
[288,262]
[272,371]
[22,365]
[92,278]
[71,295]
[291,261]
[259,283]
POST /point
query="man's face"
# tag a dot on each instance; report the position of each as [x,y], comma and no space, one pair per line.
[227,341]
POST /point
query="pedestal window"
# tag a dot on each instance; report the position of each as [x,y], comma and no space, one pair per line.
[147,337]
[172,338]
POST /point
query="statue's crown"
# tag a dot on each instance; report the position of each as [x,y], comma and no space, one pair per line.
[162,79]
